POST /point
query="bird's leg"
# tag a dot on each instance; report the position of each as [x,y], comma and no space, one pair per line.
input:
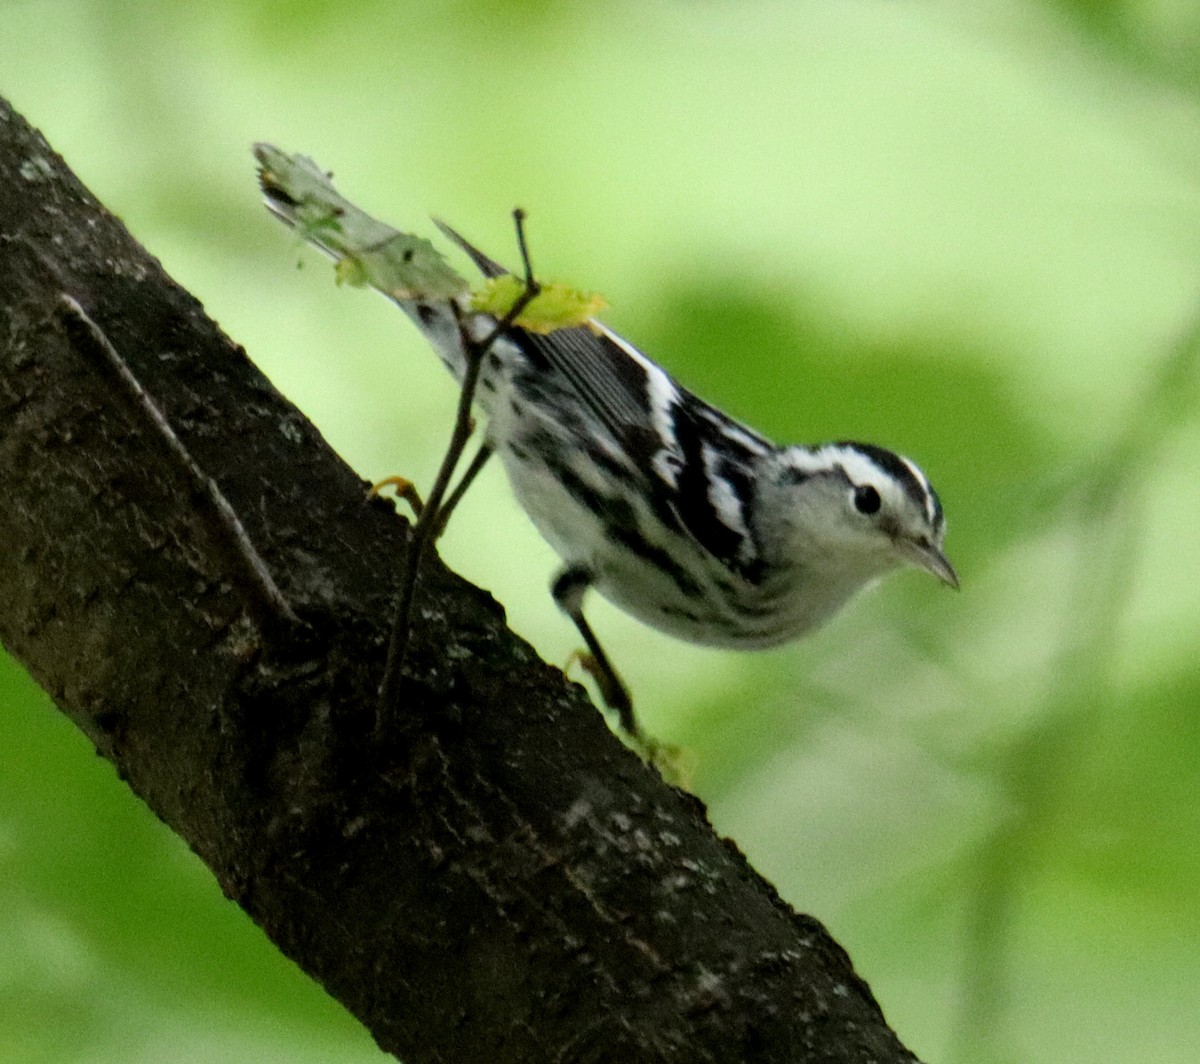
[430,521]
[404,488]
[568,590]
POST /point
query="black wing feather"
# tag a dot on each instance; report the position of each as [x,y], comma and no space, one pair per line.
[488,266]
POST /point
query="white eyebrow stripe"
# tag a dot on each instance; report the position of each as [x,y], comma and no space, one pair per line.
[925,486]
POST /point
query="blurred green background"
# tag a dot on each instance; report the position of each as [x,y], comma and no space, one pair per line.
[969,232]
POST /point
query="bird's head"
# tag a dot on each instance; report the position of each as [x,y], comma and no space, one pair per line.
[853,511]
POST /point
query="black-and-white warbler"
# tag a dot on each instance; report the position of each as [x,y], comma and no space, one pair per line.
[676,513]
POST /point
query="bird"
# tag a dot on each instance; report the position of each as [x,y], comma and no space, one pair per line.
[681,516]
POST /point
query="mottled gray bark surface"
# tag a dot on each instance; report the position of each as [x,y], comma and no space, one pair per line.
[496,879]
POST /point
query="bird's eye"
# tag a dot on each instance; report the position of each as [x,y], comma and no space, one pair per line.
[867,500]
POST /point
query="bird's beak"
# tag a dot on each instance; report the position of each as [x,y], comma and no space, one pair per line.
[930,558]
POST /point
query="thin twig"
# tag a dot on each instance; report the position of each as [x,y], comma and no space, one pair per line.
[265,604]
[460,489]
[430,519]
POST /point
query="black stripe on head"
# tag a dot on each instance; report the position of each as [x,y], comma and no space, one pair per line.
[919,490]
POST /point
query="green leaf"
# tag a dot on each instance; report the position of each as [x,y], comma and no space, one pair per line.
[556,306]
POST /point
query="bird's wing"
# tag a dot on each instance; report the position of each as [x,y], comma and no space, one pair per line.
[611,377]
[681,445]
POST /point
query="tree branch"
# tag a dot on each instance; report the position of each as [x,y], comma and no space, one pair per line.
[498,878]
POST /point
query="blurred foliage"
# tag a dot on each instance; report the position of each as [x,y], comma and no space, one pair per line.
[970,232]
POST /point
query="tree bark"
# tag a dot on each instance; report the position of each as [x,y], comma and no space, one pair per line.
[202,586]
